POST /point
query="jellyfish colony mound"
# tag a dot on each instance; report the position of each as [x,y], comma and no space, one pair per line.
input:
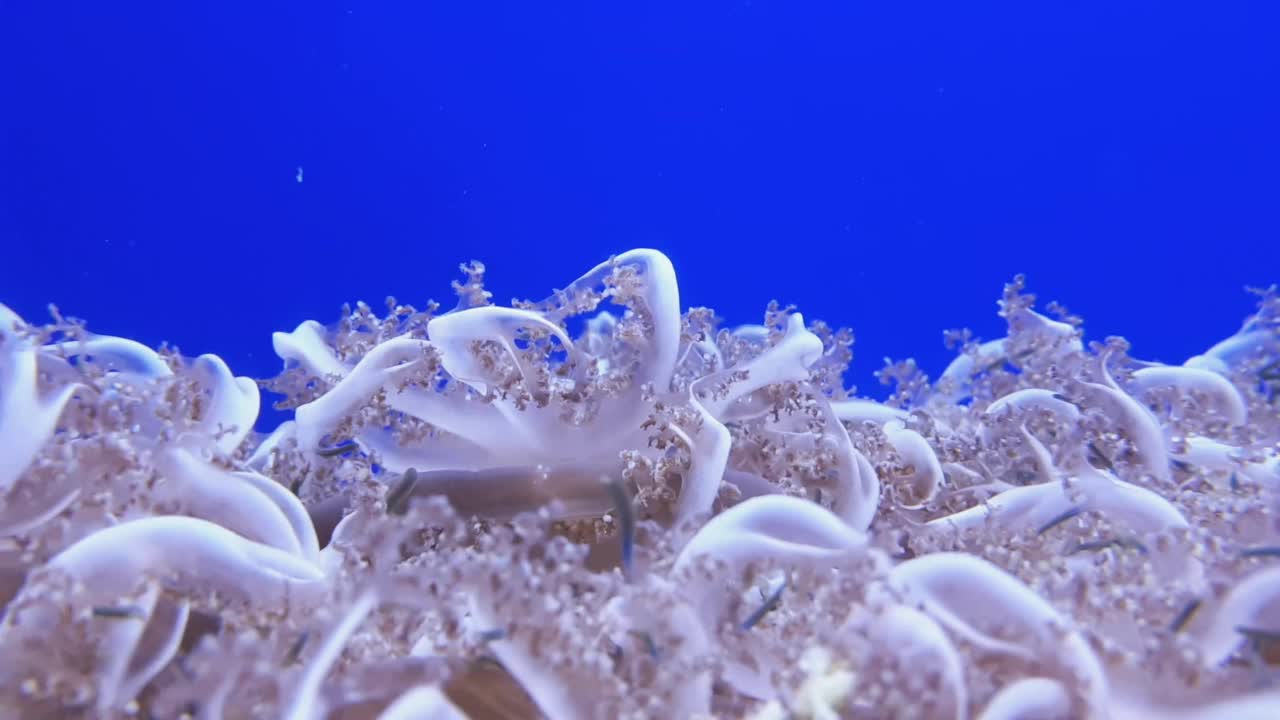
[603,505]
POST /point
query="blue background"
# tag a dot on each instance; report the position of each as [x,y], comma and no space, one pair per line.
[883,165]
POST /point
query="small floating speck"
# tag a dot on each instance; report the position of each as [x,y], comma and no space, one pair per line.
[298,175]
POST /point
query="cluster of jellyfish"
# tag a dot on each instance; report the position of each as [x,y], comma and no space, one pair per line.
[482,513]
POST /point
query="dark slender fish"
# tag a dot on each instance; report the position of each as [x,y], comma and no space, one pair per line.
[626,523]
[1259,635]
[336,450]
[1055,522]
[295,650]
[993,365]
[770,603]
[650,646]
[1184,616]
[1261,551]
[1107,543]
[1097,454]
[398,498]
[120,612]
